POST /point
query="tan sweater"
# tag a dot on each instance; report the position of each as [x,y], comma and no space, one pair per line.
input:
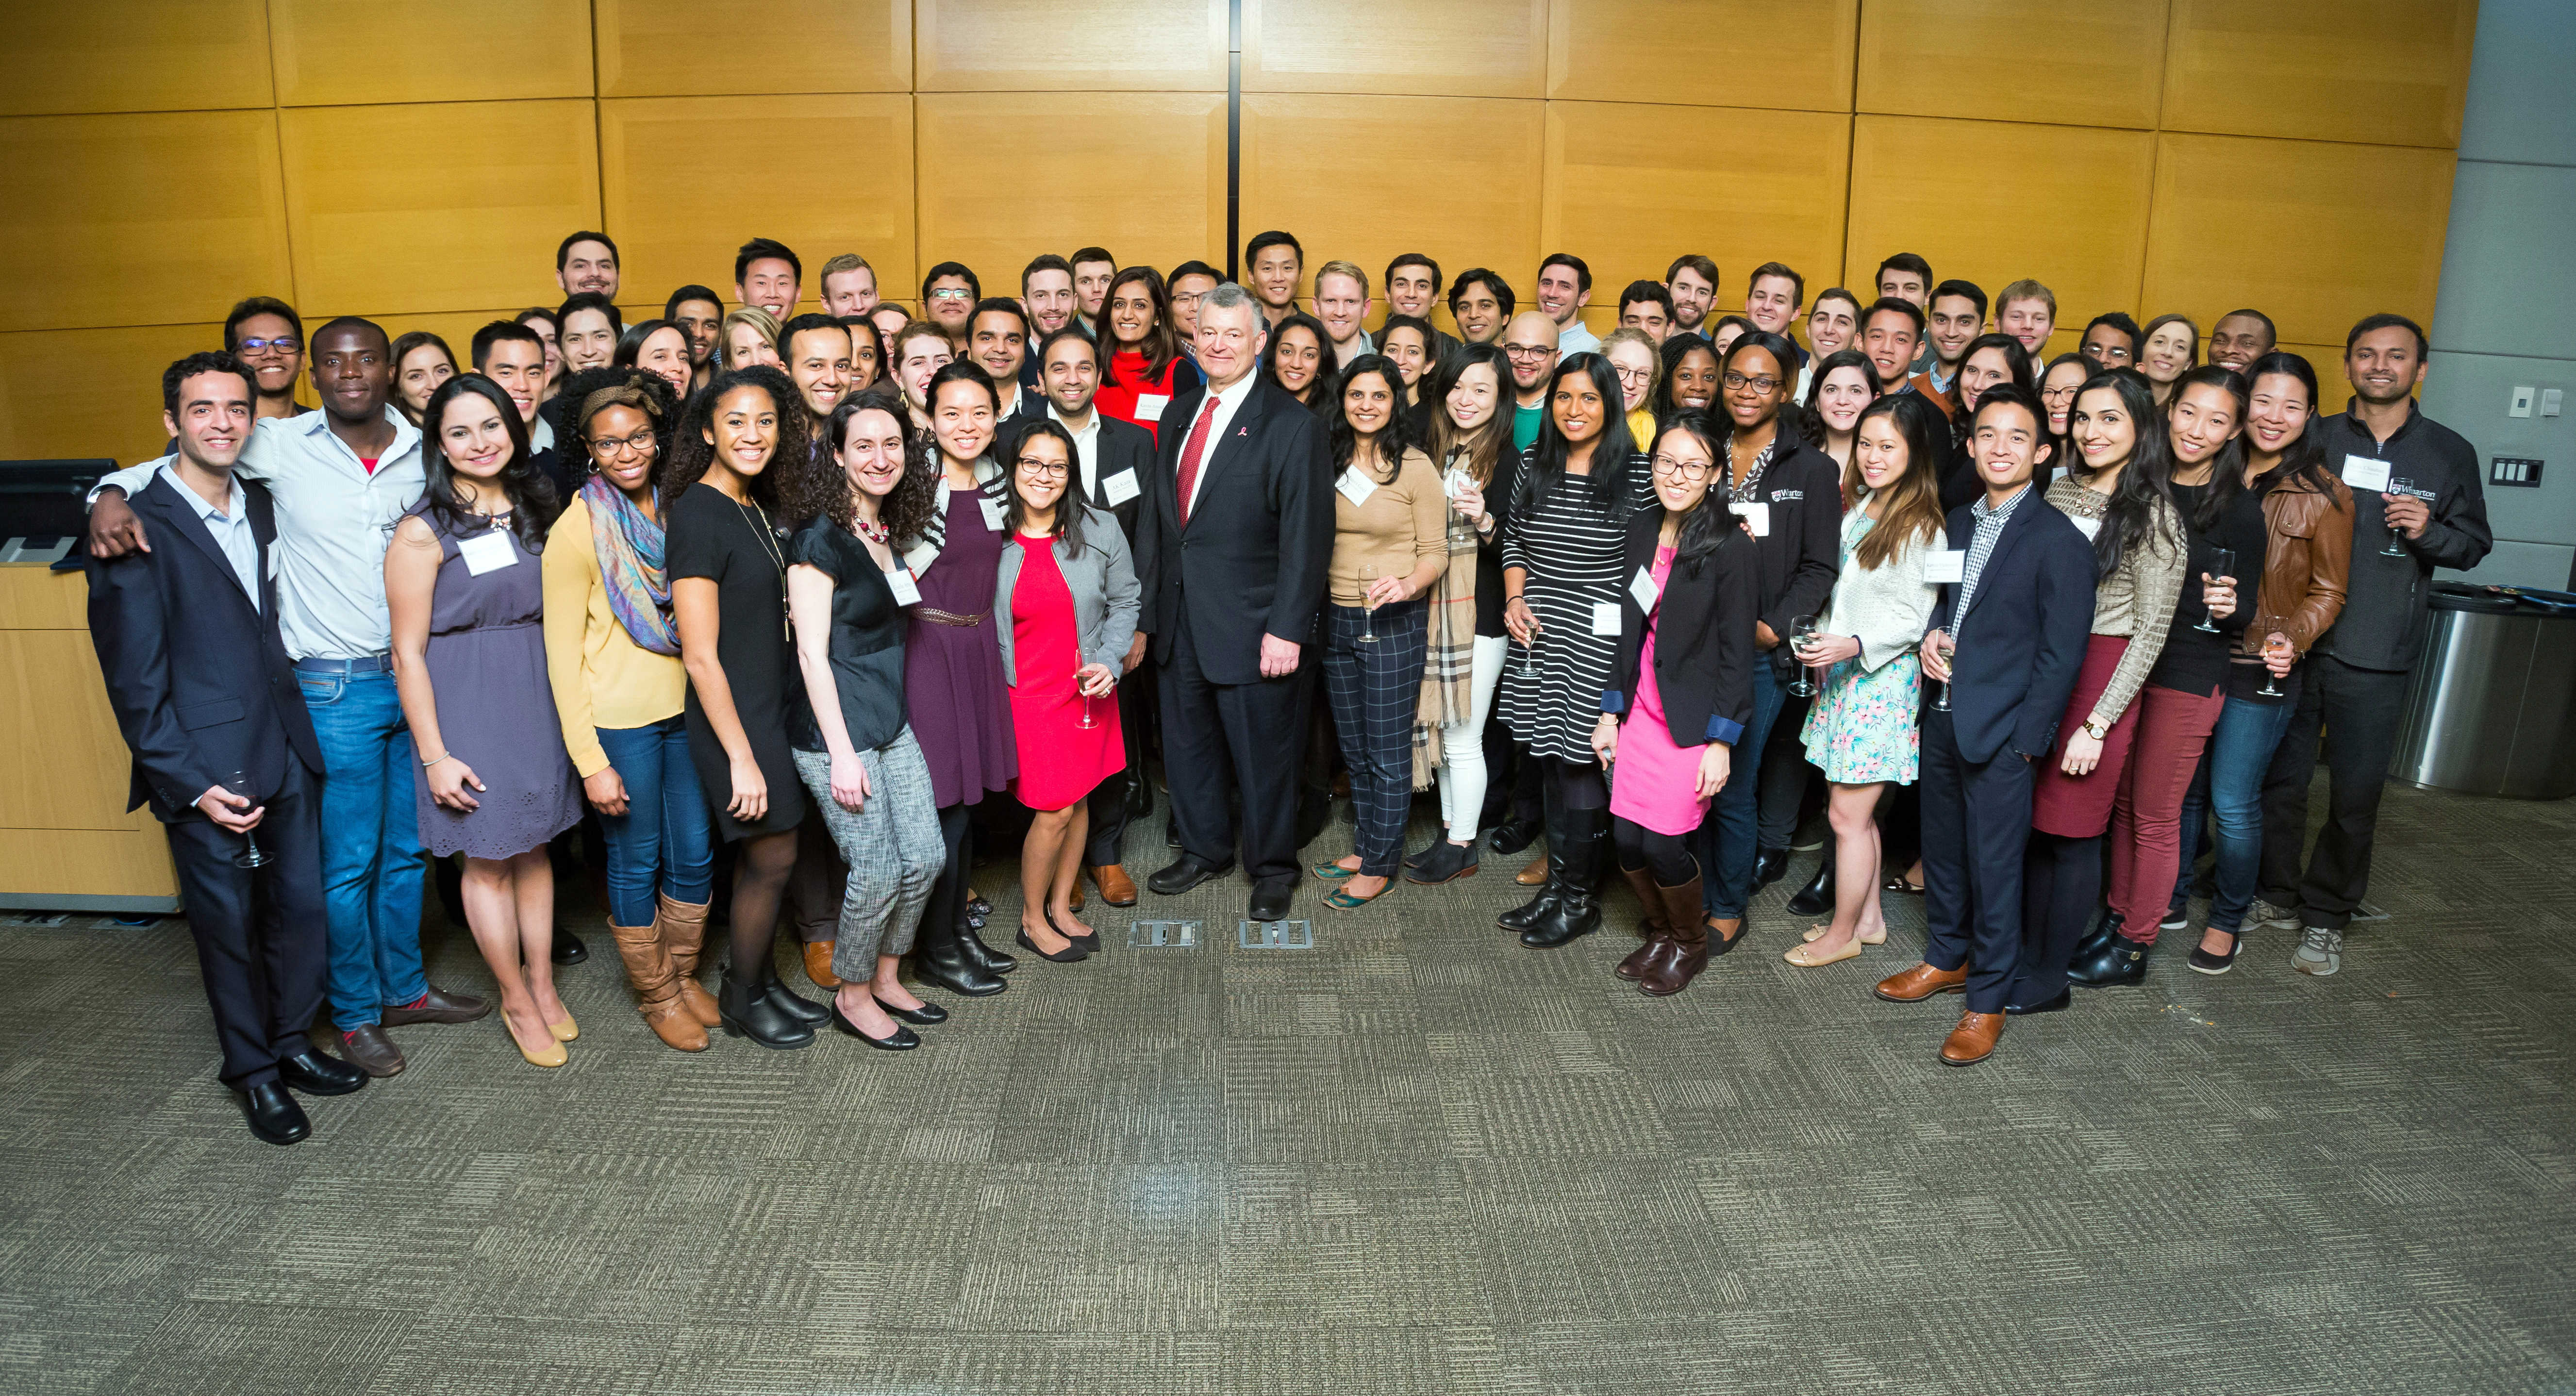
[2137,599]
[1398,527]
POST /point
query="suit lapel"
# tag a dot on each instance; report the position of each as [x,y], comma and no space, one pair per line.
[176,517]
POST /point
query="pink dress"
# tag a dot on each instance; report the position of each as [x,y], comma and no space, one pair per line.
[1060,760]
[1652,783]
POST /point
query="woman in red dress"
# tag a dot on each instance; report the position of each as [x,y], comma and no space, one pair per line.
[1142,368]
[1073,598]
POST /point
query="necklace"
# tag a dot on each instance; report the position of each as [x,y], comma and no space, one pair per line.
[871,530]
[757,519]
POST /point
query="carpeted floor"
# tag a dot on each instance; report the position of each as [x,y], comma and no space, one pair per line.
[1416,1158]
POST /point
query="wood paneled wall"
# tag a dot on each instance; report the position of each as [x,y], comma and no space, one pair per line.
[419,163]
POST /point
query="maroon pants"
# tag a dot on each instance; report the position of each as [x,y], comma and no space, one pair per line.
[2146,827]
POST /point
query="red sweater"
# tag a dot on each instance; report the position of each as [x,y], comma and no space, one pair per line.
[1135,397]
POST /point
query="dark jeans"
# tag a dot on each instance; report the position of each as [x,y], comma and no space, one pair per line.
[2230,787]
[664,839]
[1730,835]
[2357,711]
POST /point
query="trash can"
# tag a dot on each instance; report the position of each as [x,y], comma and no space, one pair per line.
[2493,707]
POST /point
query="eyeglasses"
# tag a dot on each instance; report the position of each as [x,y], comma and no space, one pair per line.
[1632,375]
[1682,469]
[951,293]
[1044,469]
[1193,299]
[2056,394]
[284,343]
[1764,384]
[641,443]
[1528,351]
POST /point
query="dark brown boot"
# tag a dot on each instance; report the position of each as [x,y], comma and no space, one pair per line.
[1657,927]
[1687,949]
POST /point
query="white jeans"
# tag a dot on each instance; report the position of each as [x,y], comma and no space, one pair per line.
[1462,744]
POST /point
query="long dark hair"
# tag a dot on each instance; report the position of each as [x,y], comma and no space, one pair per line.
[828,493]
[1675,349]
[1161,344]
[1485,446]
[1345,439]
[790,456]
[1711,524]
[1914,502]
[2143,490]
[1811,422]
[1068,506]
[1312,398]
[2227,463]
[1610,485]
[532,496]
[2303,460]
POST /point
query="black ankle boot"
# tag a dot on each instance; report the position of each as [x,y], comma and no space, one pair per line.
[2123,961]
[776,994]
[2102,937]
[1817,897]
[746,1012]
[993,961]
[1574,877]
[939,957]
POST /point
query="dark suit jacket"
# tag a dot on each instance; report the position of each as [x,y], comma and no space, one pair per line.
[2026,629]
[1704,651]
[1254,557]
[1123,446]
[199,681]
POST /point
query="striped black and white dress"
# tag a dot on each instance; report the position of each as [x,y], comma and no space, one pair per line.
[1573,550]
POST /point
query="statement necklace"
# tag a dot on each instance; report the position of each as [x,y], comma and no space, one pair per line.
[871,530]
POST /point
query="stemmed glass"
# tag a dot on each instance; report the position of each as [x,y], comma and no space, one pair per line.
[2272,645]
[1087,722]
[1802,633]
[1368,605]
[2394,548]
[250,856]
[1950,657]
[2222,563]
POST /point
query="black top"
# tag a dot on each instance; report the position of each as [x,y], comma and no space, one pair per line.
[1704,652]
[2193,660]
[866,644]
[1800,555]
[711,536]
[1489,547]
[2385,609]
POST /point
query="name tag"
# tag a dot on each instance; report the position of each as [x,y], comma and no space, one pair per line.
[1356,487]
[1605,618]
[992,513]
[1149,406]
[2088,527]
[1756,516]
[907,592]
[2363,473]
[1642,586]
[487,552]
[1945,565]
[1119,488]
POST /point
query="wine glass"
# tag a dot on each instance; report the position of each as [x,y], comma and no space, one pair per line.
[1950,657]
[1368,605]
[1802,633]
[2395,548]
[2222,563]
[1087,722]
[250,856]
[2272,645]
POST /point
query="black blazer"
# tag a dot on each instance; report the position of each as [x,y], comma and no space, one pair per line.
[1704,651]
[1123,446]
[1254,557]
[2027,628]
[199,681]
[1802,554]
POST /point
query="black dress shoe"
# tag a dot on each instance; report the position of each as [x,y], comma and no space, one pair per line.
[806,1011]
[2099,938]
[1817,897]
[1270,898]
[925,1015]
[746,1012]
[1768,865]
[319,1073]
[1071,954]
[1185,874]
[1513,835]
[568,948]
[2123,961]
[273,1114]
[2055,1005]
[1172,834]
[902,1039]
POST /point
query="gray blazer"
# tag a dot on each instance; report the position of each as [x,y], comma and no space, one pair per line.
[1106,595]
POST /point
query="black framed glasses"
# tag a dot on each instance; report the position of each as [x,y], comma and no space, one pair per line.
[1764,384]
[640,443]
[286,343]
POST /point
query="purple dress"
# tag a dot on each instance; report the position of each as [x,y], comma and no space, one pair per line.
[953,689]
[487,665]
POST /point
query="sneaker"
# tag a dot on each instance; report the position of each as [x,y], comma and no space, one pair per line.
[2176,918]
[2262,915]
[2320,952]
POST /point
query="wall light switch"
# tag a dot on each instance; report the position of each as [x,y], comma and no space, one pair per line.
[2521,402]
[2550,398]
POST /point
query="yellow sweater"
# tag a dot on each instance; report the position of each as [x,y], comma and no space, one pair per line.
[600,676]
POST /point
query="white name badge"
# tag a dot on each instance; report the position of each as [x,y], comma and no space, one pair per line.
[1642,586]
[2363,473]
[1945,565]
[1356,487]
[907,592]
[487,552]
[1149,406]
[1756,516]
[1119,488]
[1605,618]
[2088,527]
[992,513]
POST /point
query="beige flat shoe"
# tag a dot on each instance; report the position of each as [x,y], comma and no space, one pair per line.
[1806,958]
[1818,933]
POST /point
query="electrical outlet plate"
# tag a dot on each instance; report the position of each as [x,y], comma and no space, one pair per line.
[2550,401]
[2521,401]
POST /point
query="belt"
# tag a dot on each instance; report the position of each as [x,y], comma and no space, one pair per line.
[950,617]
[364,664]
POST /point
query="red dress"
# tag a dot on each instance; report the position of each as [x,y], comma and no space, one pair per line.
[1060,761]
[1135,397]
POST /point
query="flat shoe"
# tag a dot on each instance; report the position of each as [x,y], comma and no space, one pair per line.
[1805,957]
[1818,933]
[1343,899]
[1896,883]
[1334,872]
[924,1016]
[1071,954]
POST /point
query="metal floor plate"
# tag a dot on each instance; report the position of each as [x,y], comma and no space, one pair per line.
[1275,935]
[1162,935]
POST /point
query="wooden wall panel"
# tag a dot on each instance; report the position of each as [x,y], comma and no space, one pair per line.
[147,219]
[1993,201]
[455,222]
[1456,48]
[1630,187]
[457,327]
[1070,46]
[2389,71]
[1740,53]
[1140,173]
[1454,178]
[332,54]
[706,48]
[63,763]
[137,55]
[78,394]
[2315,235]
[673,174]
[2075,62]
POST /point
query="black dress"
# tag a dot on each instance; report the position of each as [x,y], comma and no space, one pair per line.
[866,647]
[728,543]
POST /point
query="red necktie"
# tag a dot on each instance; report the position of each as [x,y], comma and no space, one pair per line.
[1192,452]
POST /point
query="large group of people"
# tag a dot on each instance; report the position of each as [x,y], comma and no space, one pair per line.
[781,600]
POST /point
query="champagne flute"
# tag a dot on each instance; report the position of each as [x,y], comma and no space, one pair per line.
[1368,604]
[1087,722]
[2222,563]
[250,856]
[2394,548]
[2272,645]
[1802,633]
[1950,657]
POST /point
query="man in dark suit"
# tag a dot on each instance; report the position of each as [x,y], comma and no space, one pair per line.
[224,752]
[1117,458]
[2017,582]
[1233,546]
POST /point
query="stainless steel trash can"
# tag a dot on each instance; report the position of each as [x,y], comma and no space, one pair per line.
[2493,706]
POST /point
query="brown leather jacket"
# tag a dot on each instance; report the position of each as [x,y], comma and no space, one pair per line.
[2307,558]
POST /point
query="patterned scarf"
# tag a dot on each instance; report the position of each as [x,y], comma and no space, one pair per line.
[1448,687]
[629,545]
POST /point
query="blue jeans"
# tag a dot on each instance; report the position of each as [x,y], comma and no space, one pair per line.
[372,864]
[665,837]
[2230,785]
[1730,835]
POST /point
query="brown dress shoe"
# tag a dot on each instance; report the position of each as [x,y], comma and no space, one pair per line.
[369,1050]
[1115,886]
[1535,875]
[1922,982]
[818,964]
[1642,883]
[1973,1040]
[684,929]
[436,1006]
[657,987]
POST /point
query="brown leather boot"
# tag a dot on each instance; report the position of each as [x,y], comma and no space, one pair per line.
[683,930]
[657,988]
[1687,948]
[1657,925]
[818,964]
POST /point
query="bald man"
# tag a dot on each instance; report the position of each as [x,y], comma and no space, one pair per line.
[1529,341]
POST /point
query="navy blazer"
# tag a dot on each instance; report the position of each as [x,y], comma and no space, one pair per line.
[199,680]
[1254,557]
[1704,651]
[2028,626]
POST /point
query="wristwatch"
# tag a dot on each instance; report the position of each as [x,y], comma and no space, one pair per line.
[2093,728]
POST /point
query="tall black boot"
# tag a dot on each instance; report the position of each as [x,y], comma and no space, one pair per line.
[1577,877]
[1540,907]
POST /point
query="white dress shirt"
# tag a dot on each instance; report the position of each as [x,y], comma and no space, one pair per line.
[230,526]
[1228,401]
[1086,449]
